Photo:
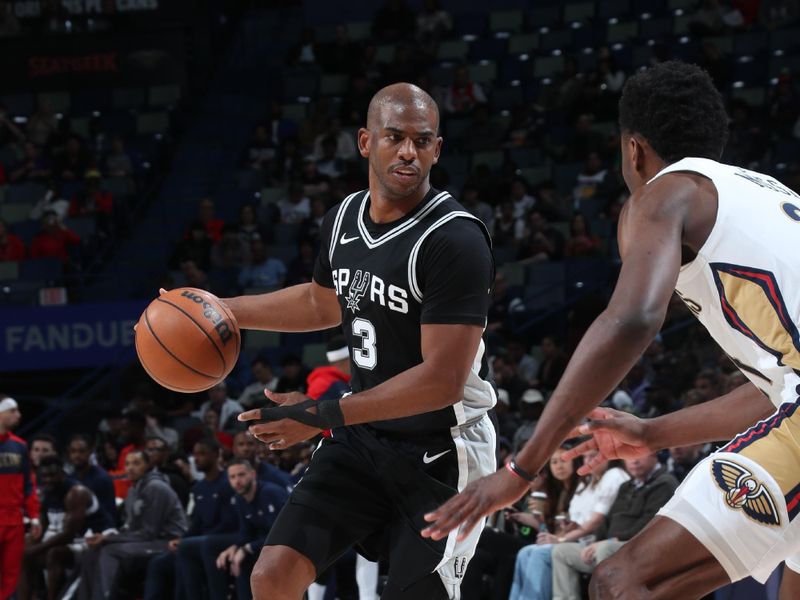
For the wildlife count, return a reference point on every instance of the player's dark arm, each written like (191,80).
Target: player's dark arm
(75,504)
(715,420)
(304,307)
(616,434)
(651,227)
(437,382)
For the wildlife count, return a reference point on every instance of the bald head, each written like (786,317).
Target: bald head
(401,97)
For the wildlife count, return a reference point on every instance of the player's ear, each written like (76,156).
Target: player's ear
(437,150)
(363,142)
(636,153)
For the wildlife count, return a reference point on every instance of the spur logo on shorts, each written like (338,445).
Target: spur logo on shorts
(743,491)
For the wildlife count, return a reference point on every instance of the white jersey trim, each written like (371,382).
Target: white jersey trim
(412,258)
(337,224)
(394,232)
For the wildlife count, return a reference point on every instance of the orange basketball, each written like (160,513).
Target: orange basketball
(187,340)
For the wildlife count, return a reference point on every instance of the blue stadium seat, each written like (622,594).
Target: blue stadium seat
(85,227)
(286,233)
(41,269)
(544,16)
(19,104)
(470,24)
(27,192)
(20,293)
(542,297)
(545,273)
(26,230)
(285,252)
(488,48)
(9,271)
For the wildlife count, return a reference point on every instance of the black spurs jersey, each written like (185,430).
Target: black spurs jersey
(434,265)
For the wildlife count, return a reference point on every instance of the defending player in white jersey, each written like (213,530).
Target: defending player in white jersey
(727,240)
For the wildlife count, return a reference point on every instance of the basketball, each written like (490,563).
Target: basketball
(187,340)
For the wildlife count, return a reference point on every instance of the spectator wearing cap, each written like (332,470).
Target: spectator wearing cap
(253,394)
(12,248)
(506,377)
(228,408)
(531,406)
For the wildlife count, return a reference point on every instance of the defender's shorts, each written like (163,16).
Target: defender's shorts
(742,502)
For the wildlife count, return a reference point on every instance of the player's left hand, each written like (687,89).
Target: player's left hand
(281,434)
(479,498)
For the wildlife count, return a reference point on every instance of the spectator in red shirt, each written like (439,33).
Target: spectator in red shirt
(11,246)
(54,240)
(212,223)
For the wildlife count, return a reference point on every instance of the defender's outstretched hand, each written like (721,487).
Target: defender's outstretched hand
(479,498)
(615,434)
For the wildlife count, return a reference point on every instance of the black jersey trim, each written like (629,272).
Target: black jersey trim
(394,232)
(337,224)
(412,258)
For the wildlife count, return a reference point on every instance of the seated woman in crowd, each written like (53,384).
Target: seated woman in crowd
(509,531)
(588,507)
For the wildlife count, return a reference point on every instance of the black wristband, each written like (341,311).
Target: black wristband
(326,414)
(513,466)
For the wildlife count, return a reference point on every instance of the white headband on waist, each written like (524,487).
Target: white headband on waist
(8,404)
(337,355)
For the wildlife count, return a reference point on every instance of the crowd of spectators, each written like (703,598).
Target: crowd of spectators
(199,480)
(63,179)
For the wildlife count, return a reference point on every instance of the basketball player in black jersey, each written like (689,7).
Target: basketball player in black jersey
(406,272)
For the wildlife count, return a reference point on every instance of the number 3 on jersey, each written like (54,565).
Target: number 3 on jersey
(366,356)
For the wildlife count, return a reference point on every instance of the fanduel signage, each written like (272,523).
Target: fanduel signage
(62,337)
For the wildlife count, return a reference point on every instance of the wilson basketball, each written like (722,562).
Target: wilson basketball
(187,340)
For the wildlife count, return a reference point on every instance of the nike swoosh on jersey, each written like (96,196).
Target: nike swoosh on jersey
(346,240)
(429,459)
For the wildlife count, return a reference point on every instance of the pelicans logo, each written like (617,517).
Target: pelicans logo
(742,491)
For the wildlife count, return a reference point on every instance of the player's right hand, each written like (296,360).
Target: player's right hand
(614,435)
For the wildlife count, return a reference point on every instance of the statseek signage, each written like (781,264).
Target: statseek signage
(65,337)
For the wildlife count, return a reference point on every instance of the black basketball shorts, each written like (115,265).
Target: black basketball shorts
(371,488)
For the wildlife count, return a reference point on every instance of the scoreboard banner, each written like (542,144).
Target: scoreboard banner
(68,337)
(93,61)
